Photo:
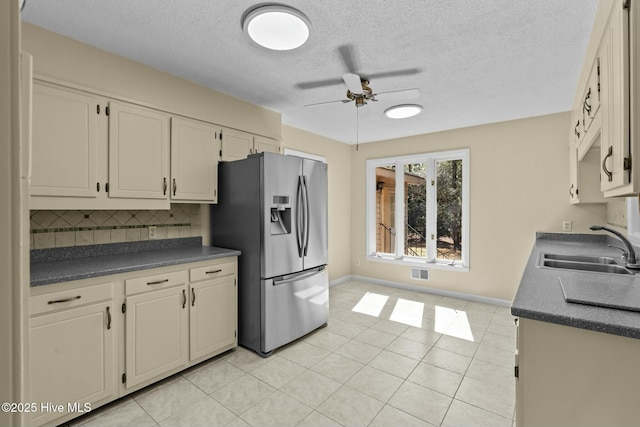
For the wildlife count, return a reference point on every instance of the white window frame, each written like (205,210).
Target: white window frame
(399,162)
(633,221)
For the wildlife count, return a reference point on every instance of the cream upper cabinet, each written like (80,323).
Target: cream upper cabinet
(584,175)
(138,152)
(238,145)
(235,144)
(212,316)
(64,143)
(615,143)
(72,350)
(262,144)
(195,153)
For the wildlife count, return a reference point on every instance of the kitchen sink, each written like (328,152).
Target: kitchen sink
(580,258)
(593,264)
(587,266)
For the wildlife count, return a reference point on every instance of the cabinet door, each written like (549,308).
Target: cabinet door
(71,358)
(156,333)
(63,143)
(573,171)
(615,142)
(262,144)
(213,316)
(195,152)
(236,144)
(138,152)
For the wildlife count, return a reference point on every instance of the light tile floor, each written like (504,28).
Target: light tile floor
(388,357)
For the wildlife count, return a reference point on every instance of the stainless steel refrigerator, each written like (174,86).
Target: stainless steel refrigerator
(273,208)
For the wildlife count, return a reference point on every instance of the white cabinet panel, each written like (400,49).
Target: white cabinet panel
(236,144)
(156,333)
(138,152)
(72,358)
(262,144)
(195,153)
(212,316)
(64,143)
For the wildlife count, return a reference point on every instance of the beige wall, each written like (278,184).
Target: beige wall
(519,183)
(338,157)
(62,58)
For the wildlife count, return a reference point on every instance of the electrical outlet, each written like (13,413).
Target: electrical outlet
(357,261)
(152,232)
(566,225)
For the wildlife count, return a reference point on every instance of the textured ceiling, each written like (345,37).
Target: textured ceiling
(475,61)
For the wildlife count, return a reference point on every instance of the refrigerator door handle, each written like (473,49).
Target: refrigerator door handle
(299,218)
(306,215)
(297,276)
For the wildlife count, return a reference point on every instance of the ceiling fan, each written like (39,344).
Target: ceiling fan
(359,91)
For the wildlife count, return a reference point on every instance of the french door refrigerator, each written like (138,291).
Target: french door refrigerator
(273,208)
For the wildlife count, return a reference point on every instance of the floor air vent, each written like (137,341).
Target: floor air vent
(420,273)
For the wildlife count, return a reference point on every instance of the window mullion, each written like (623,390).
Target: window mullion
(432,252)
(399,214)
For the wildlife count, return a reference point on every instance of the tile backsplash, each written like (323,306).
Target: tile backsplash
(50,229)
(617,213)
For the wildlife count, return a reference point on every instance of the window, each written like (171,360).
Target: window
(418,209)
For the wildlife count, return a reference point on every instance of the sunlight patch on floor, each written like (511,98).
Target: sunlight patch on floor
(455,323)
(371,304)
(408,312)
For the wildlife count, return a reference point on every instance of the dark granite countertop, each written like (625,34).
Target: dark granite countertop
(67,264)
(540,296)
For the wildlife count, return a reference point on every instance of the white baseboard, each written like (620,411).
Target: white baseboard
(440,292)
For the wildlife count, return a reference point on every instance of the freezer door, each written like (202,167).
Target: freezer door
(293,306)
(315,244)
(281,215)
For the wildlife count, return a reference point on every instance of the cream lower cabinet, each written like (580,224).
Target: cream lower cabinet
(156,326)
(72,348)
(213,310)
(93,341)
(575,377)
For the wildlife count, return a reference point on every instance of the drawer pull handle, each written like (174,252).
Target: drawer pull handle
(108,317)
(193,297)
(184,298)
(214,271)
(604,164)
(157,282)
(65,300)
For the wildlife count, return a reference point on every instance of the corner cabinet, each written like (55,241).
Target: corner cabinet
(238,145)
(195,153)
(575,377)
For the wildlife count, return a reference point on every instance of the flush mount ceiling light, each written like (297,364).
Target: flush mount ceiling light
(276,27)
(403,111)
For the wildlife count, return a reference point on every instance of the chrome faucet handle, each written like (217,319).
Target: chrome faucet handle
(624,253)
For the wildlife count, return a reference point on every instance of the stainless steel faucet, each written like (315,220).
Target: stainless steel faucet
(631,261)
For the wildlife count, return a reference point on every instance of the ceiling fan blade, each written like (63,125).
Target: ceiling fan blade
(397,94)
(353,83)
(348,55)
(394,73)
(319,83)
(341,101)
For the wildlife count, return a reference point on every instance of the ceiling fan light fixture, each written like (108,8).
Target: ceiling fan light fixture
(276,27)
(403,111)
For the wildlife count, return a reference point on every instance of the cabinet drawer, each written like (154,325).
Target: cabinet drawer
(158,281)
(70,298)
(212,271)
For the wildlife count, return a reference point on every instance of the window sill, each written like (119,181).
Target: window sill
(420,264)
